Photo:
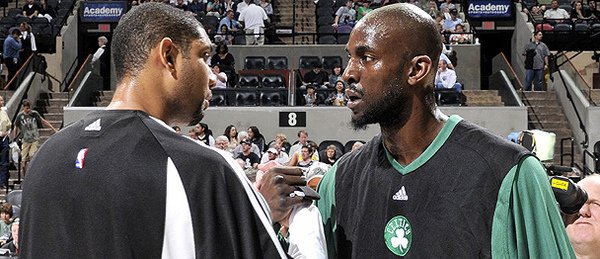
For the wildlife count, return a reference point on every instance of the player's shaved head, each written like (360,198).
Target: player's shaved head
(414,32)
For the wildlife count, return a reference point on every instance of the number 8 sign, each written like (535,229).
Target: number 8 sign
(292,119)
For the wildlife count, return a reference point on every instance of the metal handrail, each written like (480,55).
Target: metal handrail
(19,72)
(81,68)
(586,169)
(512,71)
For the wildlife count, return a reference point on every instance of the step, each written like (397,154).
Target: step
(54,116)
(480,92)
(54,109)
(55,95)
(56,123)
(102,103)
(58,102)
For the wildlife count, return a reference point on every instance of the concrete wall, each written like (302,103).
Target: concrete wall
(522,35)
(468,68)
(66,52)
(325,123)
(589,114)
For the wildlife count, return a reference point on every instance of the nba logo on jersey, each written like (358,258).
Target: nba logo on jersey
(81,158)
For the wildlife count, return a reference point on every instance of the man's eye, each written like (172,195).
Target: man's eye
(367,58)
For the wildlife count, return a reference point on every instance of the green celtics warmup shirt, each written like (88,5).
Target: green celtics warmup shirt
(470,194)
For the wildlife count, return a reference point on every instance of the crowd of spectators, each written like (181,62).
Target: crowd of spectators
(251,150)
(567,12)
(445,12)
(225,19)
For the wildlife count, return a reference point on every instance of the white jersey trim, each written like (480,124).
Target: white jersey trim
(178,241)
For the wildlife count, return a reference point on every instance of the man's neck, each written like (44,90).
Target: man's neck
(409,141)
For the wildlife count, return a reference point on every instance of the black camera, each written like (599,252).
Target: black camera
(569,195)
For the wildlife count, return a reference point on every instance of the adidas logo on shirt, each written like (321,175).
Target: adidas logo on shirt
(400,195)
(94,126)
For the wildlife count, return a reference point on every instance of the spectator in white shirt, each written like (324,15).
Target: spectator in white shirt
(254,18)
(221,76)
(555,12)
(446,78)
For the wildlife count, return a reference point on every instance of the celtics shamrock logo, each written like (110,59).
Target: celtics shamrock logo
(398,235)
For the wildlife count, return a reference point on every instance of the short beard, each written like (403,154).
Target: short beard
(390,110)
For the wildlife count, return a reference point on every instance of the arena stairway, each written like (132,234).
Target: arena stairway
(546,113)
(305,19)
(50,105)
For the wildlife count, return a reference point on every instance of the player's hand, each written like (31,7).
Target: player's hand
(277,185)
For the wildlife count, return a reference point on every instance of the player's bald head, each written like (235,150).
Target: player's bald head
(407,26)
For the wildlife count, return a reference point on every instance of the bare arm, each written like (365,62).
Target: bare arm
(47,124)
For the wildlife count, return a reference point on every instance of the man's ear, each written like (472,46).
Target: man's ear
(420,66)
(168,54)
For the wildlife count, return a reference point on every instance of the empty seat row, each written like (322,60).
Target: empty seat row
(249,97)
(268,81)
(281,62)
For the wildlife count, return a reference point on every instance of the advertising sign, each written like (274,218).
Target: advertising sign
(102,11)
(488,9)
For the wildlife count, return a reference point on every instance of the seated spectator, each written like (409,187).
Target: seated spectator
(311,98)
(215,8)
(447,6)
(431,8)
(181,5)
(298,155)
(46,11)
(229,5)
(302,141)
(229,20)
(306,153)
(243,136)
(578,14)
(345,15)
(331,155)
(196,7)
(224,59)
(265,4)
(204,134)
(556,13)
(446,78)
(593,11)
(231,134)
(192,135)
(255,137)
(459,37)
(31,9)
(363,9)
(221,77)
(222,143)
(281,143)
(537,13)
(339,98)
(316,76)
(444,56)
(13,246)
(274,154)
(247,158)
(335,76)
(6,213)
(584,229)
(450,24)
(224,36)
